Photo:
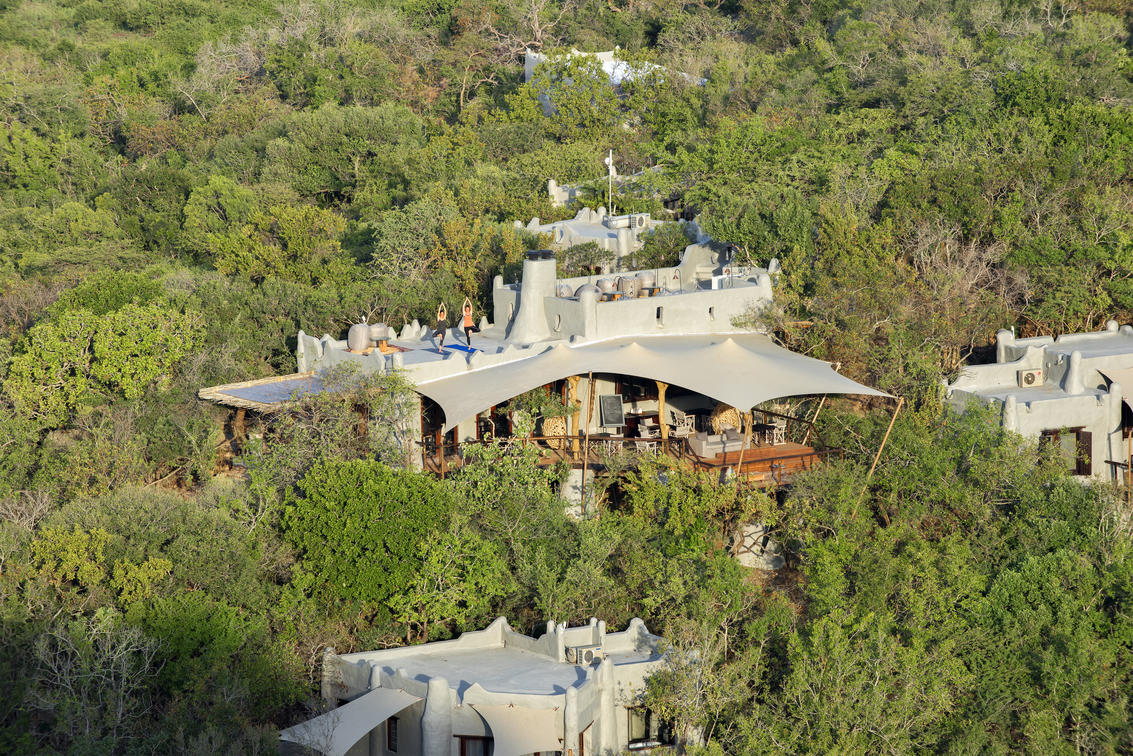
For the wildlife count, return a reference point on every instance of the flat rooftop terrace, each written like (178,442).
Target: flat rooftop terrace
(1112,342)
(1046,392)
(500,670)
(265,393)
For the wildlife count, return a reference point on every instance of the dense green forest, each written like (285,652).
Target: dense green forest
(186,184)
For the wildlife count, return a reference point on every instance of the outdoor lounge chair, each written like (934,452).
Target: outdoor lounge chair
(706,445)
(733,439)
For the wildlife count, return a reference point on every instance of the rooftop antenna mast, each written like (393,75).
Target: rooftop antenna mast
(609,161)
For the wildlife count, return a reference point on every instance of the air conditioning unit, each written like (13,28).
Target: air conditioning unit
(1030,378)
(584,655)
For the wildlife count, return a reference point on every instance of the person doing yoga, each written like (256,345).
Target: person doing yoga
(470,327)
(442,326)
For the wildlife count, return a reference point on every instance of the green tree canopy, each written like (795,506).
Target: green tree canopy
(359,527)
(293,243)
(66,362)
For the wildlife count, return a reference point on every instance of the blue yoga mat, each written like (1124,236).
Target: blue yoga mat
(461,348)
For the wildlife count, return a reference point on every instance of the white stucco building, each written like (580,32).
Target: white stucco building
(1074,390)
(618,71)
(573,691)
(618,235)
(639,355)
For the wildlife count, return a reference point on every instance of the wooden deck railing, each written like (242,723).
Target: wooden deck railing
(770,467)
(780,467)
(796,429)
(562,447)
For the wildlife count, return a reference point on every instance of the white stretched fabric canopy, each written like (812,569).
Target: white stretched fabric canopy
(741,370)
(336,732)
(519,730)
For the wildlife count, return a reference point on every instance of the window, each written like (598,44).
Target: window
(1074,445)
(635,390)
(660,316)
(391,734)
(474,745)
(646,730)
(711,313)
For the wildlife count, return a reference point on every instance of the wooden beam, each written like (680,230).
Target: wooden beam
(441,450)
(238,425)
(885,438)
(877,457)
(661,389)
(809,428)
(745,434)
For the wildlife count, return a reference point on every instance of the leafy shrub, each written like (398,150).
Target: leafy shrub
(358,527)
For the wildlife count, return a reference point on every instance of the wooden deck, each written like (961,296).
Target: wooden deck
(769,464)
(764,465)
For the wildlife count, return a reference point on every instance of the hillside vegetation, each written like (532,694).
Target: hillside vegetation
(186,184)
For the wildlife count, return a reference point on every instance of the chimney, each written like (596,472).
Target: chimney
(1003,340)
(1072,382)
(539,277)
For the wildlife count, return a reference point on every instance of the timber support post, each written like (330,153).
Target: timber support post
(441,451)
(661,389)
(572,383)
(877,457)
(586,446)
(238,425)
(814,417)
(745,436)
